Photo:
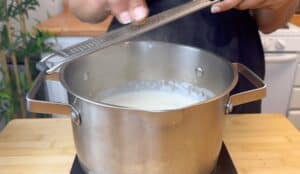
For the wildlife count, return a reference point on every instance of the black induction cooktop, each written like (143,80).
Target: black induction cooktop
(224,165)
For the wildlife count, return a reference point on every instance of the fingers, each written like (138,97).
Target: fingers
(240,4)
(251,4)
(225,5)
(119,8)
(128,11)
(138,9)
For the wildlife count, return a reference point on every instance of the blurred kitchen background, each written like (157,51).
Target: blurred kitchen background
(60,29)
(46,9)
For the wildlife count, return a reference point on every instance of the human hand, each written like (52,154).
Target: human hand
(249,4)
(269,14)
(125,11)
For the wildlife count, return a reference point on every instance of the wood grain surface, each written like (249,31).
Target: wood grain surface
(258,144)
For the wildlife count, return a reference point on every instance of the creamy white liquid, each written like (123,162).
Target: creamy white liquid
(150,100)
(155,95)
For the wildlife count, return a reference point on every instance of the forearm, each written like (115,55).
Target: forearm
(268,20)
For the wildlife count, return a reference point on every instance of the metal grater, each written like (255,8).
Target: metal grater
(127,32)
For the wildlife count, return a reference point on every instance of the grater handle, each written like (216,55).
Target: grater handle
(127,32)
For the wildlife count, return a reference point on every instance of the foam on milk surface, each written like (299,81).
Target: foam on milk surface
(155,95)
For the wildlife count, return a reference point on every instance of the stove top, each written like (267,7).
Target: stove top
(224,165)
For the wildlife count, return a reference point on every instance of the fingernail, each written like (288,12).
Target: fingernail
(124,17)
(139,13)
(215,9)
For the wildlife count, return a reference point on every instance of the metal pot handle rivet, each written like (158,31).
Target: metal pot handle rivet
(246,96)
(228,108)
(46,107)
(75,117)
(199,71)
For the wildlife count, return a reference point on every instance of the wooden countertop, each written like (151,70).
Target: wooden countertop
(65,24)
(258,144)
(296,20)
(263,144)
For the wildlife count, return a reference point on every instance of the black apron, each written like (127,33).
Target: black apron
(232,35)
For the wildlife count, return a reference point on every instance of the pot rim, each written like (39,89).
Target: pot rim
(102,104)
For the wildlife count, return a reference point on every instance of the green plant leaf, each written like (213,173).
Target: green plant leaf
(30,45)
(15,9)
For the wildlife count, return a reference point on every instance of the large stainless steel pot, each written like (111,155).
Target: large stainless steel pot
(118,140)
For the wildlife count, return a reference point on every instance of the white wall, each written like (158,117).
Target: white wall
(47,8)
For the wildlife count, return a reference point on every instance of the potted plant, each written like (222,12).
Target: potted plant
(19,51)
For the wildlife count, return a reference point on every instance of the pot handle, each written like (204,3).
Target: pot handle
(247,96)
(46,107)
